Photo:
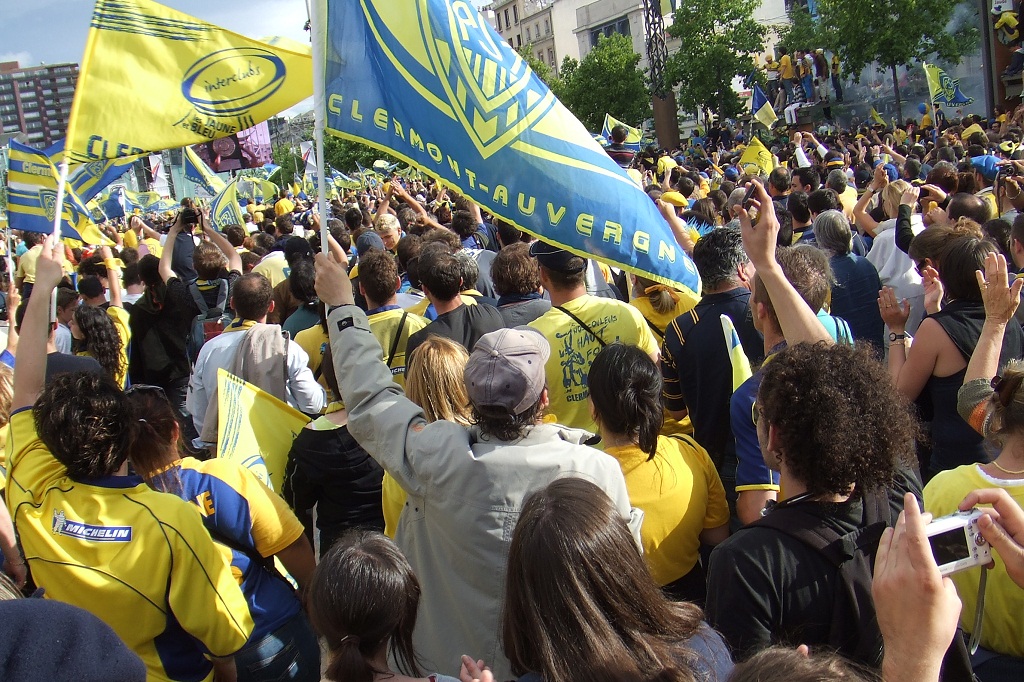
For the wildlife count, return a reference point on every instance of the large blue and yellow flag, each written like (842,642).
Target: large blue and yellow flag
(89,179)
(225,209)
(201,174)
(634,136)
(943,89)
(153,78)
(431,83)
(32,198)
(762,108)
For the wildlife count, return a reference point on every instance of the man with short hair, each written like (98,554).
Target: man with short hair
(393,327)
(780,185)
(25,274)
(578,326)
(244,349)
(617,149)
(441,280)
(694,359)
(284,204)
(805,180)
(466,485)
(517,282)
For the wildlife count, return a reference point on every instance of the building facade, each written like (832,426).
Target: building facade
(36,101)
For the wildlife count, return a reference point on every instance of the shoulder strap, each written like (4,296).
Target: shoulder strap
(222,294)
(398,337)
(197,296)
(654,328)
(582,324)
(686,439)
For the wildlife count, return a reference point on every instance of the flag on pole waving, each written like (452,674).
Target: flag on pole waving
(32,198)
(153,78)
(762,108)
(431,83)
(634,136)
(198,172)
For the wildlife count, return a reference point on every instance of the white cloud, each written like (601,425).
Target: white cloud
(23,57)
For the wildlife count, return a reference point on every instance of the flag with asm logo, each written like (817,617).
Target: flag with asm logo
(430,82)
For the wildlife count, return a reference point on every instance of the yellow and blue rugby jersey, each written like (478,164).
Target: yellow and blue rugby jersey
(138,559)
(238,507)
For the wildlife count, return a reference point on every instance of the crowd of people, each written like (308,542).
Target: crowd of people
(525,464)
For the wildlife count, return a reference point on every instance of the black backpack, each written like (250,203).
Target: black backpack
(210,322)
(853,630)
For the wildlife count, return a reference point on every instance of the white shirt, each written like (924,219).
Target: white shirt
(302,390)
(63,339)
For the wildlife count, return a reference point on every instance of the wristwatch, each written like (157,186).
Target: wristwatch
(894,337)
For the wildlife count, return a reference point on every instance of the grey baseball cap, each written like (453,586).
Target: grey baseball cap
(506,369)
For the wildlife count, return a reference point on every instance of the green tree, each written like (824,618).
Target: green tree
(539,66)
(607,81)
(719,40)
(291,163)
(894,33)
(802,32)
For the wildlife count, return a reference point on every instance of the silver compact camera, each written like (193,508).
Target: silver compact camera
(957,543)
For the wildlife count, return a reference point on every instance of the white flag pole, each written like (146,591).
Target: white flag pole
(318,33)
(62,181)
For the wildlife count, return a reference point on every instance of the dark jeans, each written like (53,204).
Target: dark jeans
(176,391)
(692,587)
(992,667)
(291,652)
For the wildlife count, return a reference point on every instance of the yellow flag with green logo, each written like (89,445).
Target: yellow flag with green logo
(757,159)
(153,78)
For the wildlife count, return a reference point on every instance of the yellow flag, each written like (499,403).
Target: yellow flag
(153,78)
(756,158)
(970,130)
(737,358)
(254,428)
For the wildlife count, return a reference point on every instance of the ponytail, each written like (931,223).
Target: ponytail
(348,663)
(625,387)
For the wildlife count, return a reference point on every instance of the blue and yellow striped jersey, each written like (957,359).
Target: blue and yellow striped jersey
(138,559)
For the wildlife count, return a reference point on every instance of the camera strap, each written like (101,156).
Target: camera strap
(979,611)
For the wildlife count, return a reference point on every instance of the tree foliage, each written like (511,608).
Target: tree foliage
(719,40)
(539,66)
(344,154)
(291,163)
(607,81)
(894,32)
(802,32)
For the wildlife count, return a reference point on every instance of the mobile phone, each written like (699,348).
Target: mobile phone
(749,195)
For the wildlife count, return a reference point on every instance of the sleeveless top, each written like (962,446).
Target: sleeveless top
(954,442)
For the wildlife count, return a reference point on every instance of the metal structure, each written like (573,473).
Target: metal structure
(663,100)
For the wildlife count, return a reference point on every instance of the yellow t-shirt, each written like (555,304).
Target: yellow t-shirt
(274,269)
(926,120)
(314,341)
(283,206)
(661,321)
(420,308)
(785,67)
(573,350)
(138,559)
(1002,628)
(680,494)
(124,332)
(392,500)
(27,264)
(384,326)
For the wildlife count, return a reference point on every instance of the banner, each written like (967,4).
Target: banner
(89,179)
(308,157)
(876,117)
(225,209)
(943,89)
(199,173)
(153,78)
(32,198)
(432,84)
(118,201)
(757,159)
(737,358)
(762,108)
(254,428)
(633,135)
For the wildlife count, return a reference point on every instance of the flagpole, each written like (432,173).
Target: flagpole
(316,14)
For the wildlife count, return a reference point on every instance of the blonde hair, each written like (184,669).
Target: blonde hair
(434,380)
(386,222)
(891,195)
(6,394)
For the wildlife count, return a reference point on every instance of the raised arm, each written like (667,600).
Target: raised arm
(30,374)
(865,223)
(113,276)
(1001,303)
(166,271)
(222,243)
(677,225)
(799,323)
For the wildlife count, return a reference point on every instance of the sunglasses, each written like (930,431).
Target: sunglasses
(146,389)
(1006,388)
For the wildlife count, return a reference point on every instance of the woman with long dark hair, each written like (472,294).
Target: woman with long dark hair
(363,602)
(671,478)
(98,338)
(580,604)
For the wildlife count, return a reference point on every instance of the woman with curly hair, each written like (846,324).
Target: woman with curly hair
(104,334)
(829,422)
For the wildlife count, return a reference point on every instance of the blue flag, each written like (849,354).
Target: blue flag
(89,179)
(431,83)
(198,172)
(32,198)
(762,108)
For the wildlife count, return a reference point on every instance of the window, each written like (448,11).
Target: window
(620,26)
(519,40)
(507,22)
(547,27)
(497,21)
(540,55)
(551,56)
(527,34)
(536,29)
(515,13)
